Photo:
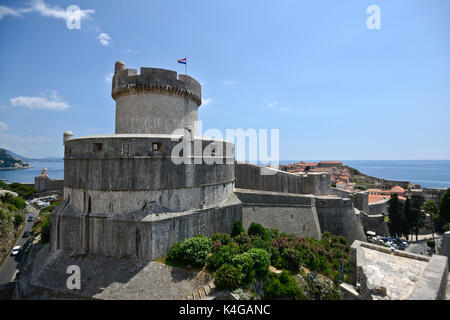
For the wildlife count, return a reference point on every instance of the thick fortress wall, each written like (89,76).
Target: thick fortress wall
(254,177)
(121,174)
(156,101)
(337,216)
(146,238)
(288,213)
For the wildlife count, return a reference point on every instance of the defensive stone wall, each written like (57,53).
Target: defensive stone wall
(144,236)
(123,173)
(251,176)
(337,216)
(379,207)
(360,198)
(44,184)
(286,212)
(445,246)
(375,223)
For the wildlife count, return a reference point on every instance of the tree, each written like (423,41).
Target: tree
(417,216)
(431,208)
(18,220)
(396,216)
(444,207)
(407,218)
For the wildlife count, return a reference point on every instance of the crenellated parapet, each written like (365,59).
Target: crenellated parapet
(154,80)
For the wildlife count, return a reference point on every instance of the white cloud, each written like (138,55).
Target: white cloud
(3,126)
(6,11)
(54,12)
(272,104)
(104,39)
(108,77)
(46,101)
(132,51)
(205,102)
(230,83)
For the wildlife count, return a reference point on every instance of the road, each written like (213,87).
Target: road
(420,247)
(9,267)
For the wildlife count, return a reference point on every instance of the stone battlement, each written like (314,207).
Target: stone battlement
(154,80)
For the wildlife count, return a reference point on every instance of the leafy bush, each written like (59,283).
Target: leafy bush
(176,253)
(282,286)
(18,220)
(228,277)
(223,238)
(256,229)
(191,251)
(244,262)
(19,202)
(291,259)
(222,255)
(196,249)
(262,261)
(237,228)
(12,207)
(45,229)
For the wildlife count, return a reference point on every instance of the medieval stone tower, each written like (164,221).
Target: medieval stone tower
(124,195)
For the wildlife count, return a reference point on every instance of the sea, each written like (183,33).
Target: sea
(428,173)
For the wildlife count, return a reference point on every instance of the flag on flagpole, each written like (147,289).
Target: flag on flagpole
(182,61)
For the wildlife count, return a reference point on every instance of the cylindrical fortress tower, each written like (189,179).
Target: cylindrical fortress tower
(124,195)
(124,172)
(156,101)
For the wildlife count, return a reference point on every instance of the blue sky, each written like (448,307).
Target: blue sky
(334,88)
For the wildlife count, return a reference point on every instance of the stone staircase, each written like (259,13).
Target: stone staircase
(202,293)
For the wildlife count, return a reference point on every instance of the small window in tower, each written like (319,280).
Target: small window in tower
(98,147)
(156,146)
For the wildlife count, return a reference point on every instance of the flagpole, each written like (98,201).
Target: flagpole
(185,67)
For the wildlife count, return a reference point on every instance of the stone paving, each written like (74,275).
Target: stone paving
(395,276)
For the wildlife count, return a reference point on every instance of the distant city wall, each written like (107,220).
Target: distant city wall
(360,198)
(45,185)
(379,207)
(250,176)
(375,223)
(288,213)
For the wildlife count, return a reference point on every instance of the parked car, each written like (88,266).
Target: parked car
(26,234)
(30,219)
(15,251)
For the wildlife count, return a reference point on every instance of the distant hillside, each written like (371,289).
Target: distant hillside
(7,161)
(20,157)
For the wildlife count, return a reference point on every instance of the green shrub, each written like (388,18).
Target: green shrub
(282,286)
(258,242)
(222,237)
(196,249)
(19,202)
(256,229)
(228,277)
(291,259)
(244,262)
(175,253)
(18,220)
(192,251)
(237,228)
(262,261)
(12,207)
(45,230)
(222,255)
